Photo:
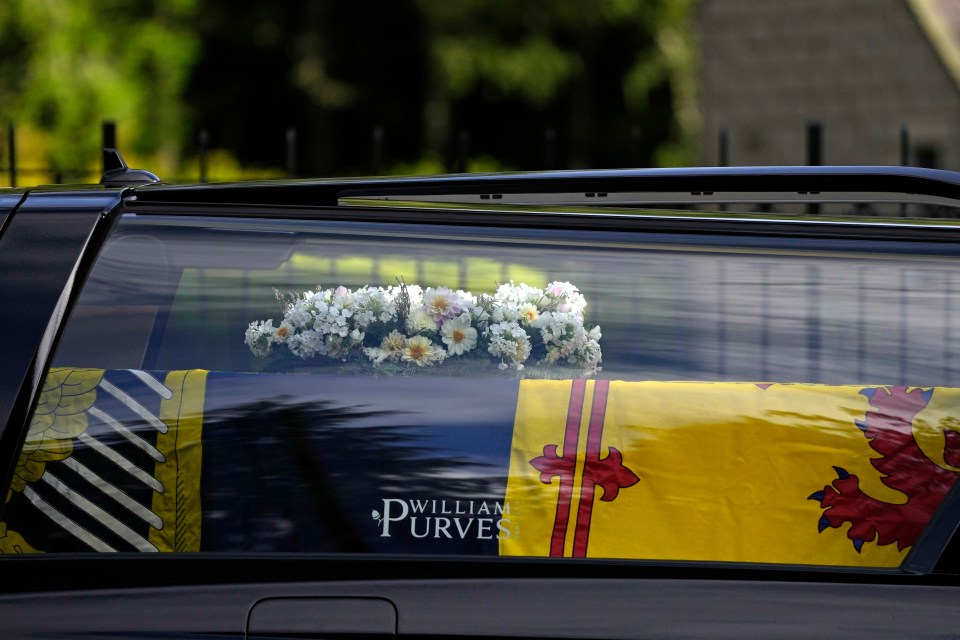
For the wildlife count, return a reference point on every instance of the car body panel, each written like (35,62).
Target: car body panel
(8,204)
(520,608)
(37,288)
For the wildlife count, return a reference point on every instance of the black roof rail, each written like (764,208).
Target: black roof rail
(610,187)
(647,187)
(117,174)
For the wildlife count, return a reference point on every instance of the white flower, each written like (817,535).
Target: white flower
(458,335)
(421,351)
(517,294)
(373,305)
(419,320)
(566,339)
(307,344)
(509,342)
(336,322)
(393,343)
(441,304)
(377,356)
(481,315)
(565,298)
(284,331)
(528,313)
(298,316)
(414,291)
(260,337)
(467,299)
(391,348)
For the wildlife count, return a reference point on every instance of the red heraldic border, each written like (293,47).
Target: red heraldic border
(607,473)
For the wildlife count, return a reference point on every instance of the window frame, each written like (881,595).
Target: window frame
(922,560)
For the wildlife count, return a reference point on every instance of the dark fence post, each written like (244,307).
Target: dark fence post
(904,158)
(814,144)
(291,152)
(814,155)
(12,150)
(723,159)
(549,148)
(904,146)
(204,146)
(723,156)
(377,150)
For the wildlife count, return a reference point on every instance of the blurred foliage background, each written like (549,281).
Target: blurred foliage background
(400,86)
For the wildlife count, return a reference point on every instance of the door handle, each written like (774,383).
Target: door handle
(309,617)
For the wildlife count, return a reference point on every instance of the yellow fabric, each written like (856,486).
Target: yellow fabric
(725,471)
(59,418)
(179,505)
(13,543)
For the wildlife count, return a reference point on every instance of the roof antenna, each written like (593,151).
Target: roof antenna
(117,174)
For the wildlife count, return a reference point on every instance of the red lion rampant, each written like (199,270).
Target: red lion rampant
(905,468)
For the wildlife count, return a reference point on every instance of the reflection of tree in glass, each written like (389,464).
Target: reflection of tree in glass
(280,475)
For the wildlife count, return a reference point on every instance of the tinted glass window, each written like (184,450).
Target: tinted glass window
(292,386)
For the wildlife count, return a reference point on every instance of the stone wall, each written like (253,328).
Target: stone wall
(861,68)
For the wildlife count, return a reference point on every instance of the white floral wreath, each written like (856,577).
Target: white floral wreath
(406,326)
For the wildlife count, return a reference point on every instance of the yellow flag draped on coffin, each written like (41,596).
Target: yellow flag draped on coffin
(162,417)
(707,471)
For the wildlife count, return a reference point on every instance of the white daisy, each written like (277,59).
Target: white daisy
(441,303)
(458,335)
(421,351)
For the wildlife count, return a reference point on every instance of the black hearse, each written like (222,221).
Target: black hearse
(690,403)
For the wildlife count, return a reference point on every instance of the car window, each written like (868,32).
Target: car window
(257,385)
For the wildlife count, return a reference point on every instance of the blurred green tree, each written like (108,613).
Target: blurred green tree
(478,83)
(334,70)
(606,83)
(522,85)
(67,65)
